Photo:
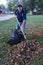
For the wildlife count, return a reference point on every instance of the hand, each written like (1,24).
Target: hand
(21,27)
(15,16)
(23,23)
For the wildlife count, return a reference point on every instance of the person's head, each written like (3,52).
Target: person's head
(19,7)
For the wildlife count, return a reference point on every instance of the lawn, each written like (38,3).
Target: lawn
(32,21)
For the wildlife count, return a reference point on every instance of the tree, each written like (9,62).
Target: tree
(29,5)
(12,4)
(32,5)
(26,5)
(40,4)
(2,6)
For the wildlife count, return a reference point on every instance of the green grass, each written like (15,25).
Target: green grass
(35,20)
(6,26)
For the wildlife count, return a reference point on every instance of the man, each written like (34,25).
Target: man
(21,18)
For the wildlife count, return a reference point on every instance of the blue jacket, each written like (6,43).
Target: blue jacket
(20,15)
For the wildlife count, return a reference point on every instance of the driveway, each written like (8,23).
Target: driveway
(6,17)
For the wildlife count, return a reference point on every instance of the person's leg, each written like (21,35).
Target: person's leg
(24,26)
(17,26)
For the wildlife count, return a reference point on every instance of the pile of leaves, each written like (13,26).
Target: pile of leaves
(37,31)
(22,53)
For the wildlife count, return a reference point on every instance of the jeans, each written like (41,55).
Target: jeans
(24,26)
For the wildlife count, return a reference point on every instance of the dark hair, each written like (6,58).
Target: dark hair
(19,5)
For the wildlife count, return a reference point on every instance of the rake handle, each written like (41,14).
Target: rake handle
(22,31)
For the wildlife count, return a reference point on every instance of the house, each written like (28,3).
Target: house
(38,11)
